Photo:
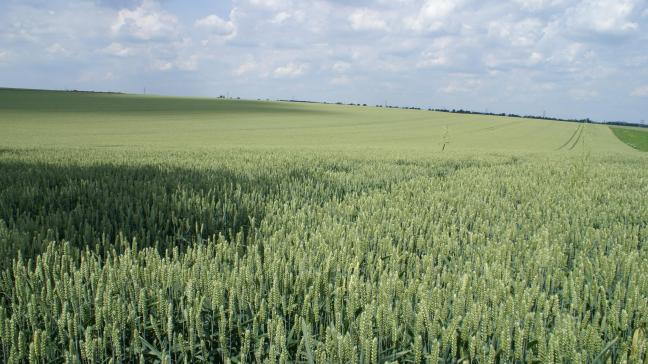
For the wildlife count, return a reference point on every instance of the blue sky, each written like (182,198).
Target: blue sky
(567,58)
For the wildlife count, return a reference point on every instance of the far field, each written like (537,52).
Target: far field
(171,230)
(59,119)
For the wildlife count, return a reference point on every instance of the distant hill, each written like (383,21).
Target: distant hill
(73,119)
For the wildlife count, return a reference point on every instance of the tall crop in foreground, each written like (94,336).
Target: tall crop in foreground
(317,257)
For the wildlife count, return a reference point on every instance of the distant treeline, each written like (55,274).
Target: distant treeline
(623,123)
(462,111)
(587,120)
(66,90)
(96,92)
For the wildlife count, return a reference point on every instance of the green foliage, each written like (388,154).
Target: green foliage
(634,137)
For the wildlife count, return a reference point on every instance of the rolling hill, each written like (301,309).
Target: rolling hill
(57,119)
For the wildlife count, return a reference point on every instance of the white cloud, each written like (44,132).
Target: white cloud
(522,33)
(4,55)
(536,57)
(270,4)
(433,15)
(246,67)
(117,50)
(432,59)
(161,65)
(641,91)
(583,94)
(57,49)
(341,67)
(217,25)
(341,80)
(291,70)
(538,5)
(603,16)
(572,55)
(146,22)
(181,63)
(437,54)
(462,85)
(189,63)
(283,17)
(366,19)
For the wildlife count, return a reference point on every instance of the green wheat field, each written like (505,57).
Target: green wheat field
(173,230)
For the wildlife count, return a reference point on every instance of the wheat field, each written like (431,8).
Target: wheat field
(151,229)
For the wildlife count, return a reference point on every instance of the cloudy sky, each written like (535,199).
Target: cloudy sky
(567,58)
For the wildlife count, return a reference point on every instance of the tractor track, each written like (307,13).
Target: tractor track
(574,134)
(578,138)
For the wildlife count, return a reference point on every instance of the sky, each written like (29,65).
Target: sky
(563,58)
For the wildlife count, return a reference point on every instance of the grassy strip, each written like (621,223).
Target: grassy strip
(635,138)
